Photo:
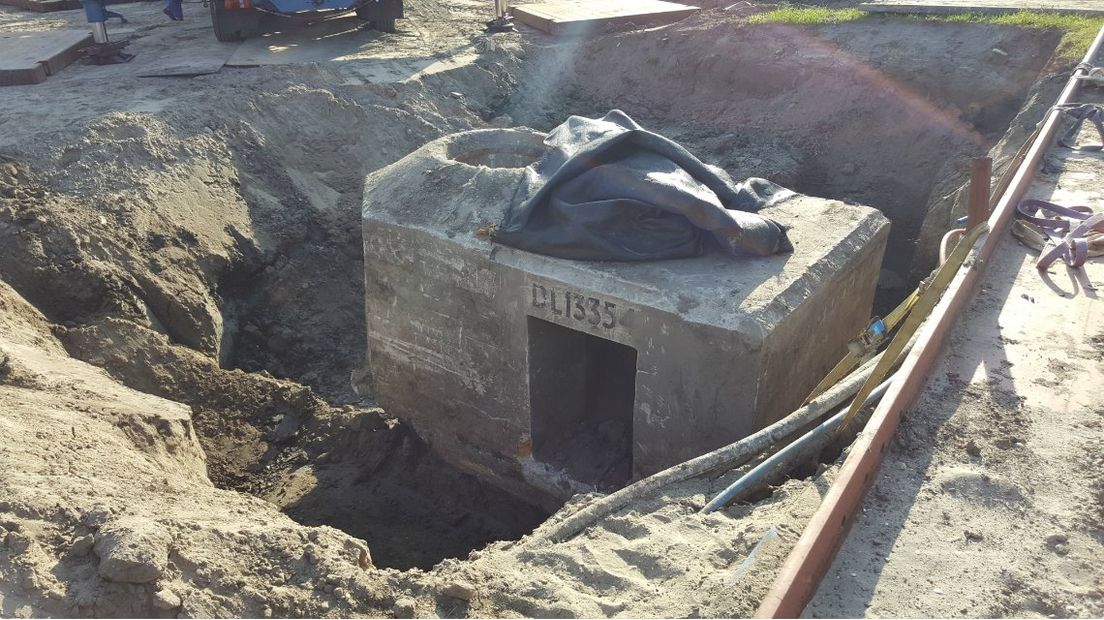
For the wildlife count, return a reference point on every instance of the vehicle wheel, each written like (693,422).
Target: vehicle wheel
(234,24)
(382,13)
(386,24)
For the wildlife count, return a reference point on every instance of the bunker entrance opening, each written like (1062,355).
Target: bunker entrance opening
(582,389)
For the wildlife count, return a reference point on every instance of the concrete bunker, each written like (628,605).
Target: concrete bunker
(560,376)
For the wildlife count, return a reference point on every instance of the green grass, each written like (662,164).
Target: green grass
(807,16)
(1079,30)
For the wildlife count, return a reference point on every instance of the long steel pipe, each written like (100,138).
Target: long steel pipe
(812,556)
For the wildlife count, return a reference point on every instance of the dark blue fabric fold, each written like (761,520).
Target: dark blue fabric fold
(608,189)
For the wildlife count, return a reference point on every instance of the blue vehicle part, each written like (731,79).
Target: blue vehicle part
(235,20)
(295,7)
(174,9)
(94,11)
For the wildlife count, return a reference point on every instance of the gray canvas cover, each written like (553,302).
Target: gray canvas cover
(607,189)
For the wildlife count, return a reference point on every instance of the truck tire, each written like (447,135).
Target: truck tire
(382,13)
(232,25)
(384,24)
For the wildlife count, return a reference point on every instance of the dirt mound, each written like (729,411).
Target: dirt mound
(108,510)
(348,467)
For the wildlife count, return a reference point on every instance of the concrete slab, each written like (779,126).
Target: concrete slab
(582,16)
(943,7)
(29,57)
(486,349)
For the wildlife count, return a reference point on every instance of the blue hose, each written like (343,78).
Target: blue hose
(780,458)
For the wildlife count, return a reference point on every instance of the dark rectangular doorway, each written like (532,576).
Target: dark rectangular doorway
(581,394)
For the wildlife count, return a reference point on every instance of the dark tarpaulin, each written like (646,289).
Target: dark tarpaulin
(607,189)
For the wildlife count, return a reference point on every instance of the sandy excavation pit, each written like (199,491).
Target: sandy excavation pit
(214,260)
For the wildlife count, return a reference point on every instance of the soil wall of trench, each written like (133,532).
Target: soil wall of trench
(214,260)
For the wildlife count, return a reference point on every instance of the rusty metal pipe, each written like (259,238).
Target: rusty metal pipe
(814,552)
(981,176)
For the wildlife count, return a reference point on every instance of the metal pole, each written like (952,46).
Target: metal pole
(981,176)
(99,32)
(502,21)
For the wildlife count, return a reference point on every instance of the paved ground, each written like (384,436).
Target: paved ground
(1092,7)
(1021,371)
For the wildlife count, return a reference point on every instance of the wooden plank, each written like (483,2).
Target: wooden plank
(582,16)
(34,74)
(947,7)
(29,57)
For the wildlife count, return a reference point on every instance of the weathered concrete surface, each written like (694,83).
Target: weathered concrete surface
(582,16)
(724,346)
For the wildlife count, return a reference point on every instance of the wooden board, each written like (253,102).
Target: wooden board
(28,57)
(945,7)
(583,16)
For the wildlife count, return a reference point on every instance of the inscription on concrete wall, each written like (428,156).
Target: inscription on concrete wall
(567,304)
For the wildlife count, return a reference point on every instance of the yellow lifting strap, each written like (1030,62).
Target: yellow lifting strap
(865,345)
(929,296)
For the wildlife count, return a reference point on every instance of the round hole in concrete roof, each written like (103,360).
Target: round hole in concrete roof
(497,148)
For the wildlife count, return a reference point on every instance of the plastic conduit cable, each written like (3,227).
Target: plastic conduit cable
(820,436)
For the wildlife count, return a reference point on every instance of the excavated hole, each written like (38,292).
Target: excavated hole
(879,128)
(879,116)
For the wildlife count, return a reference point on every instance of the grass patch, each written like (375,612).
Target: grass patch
(807,16)
(1079,30)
